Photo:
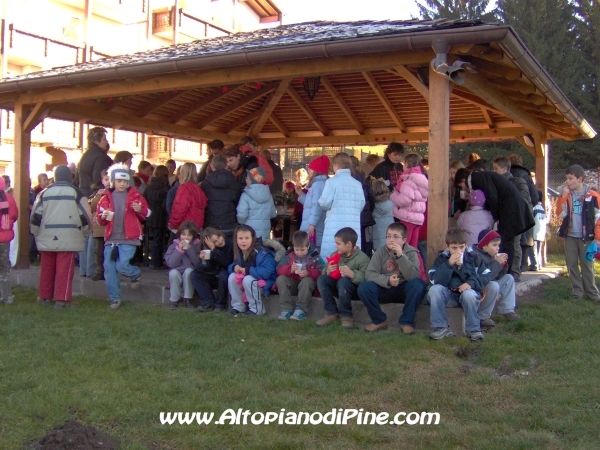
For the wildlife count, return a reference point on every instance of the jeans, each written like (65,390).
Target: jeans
(343,288)
(505,287)
(87,258)
(409,292)
(176,280)
(205,283)
(529,258)
(440,297)
(122,266)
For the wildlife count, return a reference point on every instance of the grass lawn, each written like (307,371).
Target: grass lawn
(528,385)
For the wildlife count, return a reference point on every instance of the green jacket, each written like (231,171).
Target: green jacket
(384,264)
(357,262)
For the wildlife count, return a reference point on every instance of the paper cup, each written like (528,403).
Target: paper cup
(463,195)
(462,258)
(206,254)
(110,215)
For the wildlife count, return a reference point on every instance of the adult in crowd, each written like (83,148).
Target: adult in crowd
(390,168)
(240,161)
(369,164)
(277,185)
(215,147)
(190,200)
(93,161)
(143,175)
(456,204)
(171,166)
(517,170)
(504,201)
(222,193)
(156,225)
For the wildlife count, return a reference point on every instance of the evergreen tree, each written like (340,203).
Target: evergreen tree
(456,9)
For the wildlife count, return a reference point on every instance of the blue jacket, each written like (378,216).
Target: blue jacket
(343,199)
(383,219)
(263,268)
(313,214)
(473,271)
(256,208)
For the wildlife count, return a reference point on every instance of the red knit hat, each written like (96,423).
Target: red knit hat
(320,164)
(486,236)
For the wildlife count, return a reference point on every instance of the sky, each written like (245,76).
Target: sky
(295,11)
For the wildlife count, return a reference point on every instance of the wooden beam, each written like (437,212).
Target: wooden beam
(269,107)
(111,119)
(514,85)
(243,121)
(439,164)
(384,101)
(482,65)
(279,125)
(216,77)
(483,134)
(487,117)
(308,111)
(160,101)
(36,115)
(337,98)
(22,148)
(252,96)
(413,81)
(204,102)
(492,95)
(473,100)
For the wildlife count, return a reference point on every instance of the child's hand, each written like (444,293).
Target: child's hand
(347,272)
(502,258)
(311,230)
(239,269)
(303,273)
(137,207)
(394,280)
(464,287)
(331,268)
(397,249)
(454,259)
(209,243)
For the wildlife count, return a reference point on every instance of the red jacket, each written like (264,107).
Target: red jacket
(189,204)
(13,215)
(133,225)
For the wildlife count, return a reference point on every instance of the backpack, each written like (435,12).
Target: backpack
(263,163)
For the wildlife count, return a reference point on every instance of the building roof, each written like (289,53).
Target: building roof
(373,86)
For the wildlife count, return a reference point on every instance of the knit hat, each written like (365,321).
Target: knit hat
(118,172)
(289,185)
(486,236)
(477,198)
(320,164)
(63,173)
(256,175)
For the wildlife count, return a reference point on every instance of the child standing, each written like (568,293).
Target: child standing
(458,279)
(344,271)
(98,230)
(211,272)
(252,273)
(9,214)
(256,207)
(487,248)
(189,202)
(343,200)
(476,218)
(60,221)
(313,216)
(410,198)
(382,213)
(121,210)
(578,207)
(298,271)
(182,257)
(539,234)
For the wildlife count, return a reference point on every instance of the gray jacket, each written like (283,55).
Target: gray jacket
(256,208)
(384,264)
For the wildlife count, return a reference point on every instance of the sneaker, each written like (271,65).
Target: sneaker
(285,315)
(59,305)
(71,305)
(533,268)
(189,303)
(407,329)
(347,322)
(173,305)
(441,333)
(233,312)
(512,316)
(8,300)
(219,310)
(135,284)
(327,320)
(248,313)
(474,335)
(299,314)
(43,301)
(97,277)
(373,327)
(115,305)
(487,322)
(203,308)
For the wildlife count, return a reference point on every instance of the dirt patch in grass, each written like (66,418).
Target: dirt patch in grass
(75,435)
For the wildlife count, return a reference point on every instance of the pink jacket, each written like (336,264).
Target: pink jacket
(473,221)
(410,196)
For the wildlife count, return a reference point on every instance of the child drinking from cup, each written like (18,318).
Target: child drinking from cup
(182,257)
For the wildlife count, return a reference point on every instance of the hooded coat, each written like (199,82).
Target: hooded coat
(156,196)
(256,209)
(222,192)
(473,221)
(410,196)
(383,219)
(313,214)
(189,204)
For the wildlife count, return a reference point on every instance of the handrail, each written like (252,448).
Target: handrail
(204,21)
(76,47)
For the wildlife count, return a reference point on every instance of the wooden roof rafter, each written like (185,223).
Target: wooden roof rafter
(306,110)
(205,101)
(159,102)
(337,98)
(269,107)
(384,100)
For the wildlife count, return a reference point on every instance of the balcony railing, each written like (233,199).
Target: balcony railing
(35,48)
(163,22)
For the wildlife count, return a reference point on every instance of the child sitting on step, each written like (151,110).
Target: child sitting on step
(298,271)
(182,257)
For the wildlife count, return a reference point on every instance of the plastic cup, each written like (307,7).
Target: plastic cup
(206,254)
(462,258)
(110,215)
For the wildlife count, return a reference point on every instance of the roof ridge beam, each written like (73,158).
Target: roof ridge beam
(384,100)
(307,110)
(269,107)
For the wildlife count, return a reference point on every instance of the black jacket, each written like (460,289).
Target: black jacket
(204,170)
(277,185)
(220,259)
(388,171)
(222,191)
(90,168)
(522,172)
(366,215)
(156,196)
(505,202)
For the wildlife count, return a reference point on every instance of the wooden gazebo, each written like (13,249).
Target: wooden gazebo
(378,82)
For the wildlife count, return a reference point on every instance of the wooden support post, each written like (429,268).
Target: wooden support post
(22,145)
(439,156)
(541,177)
